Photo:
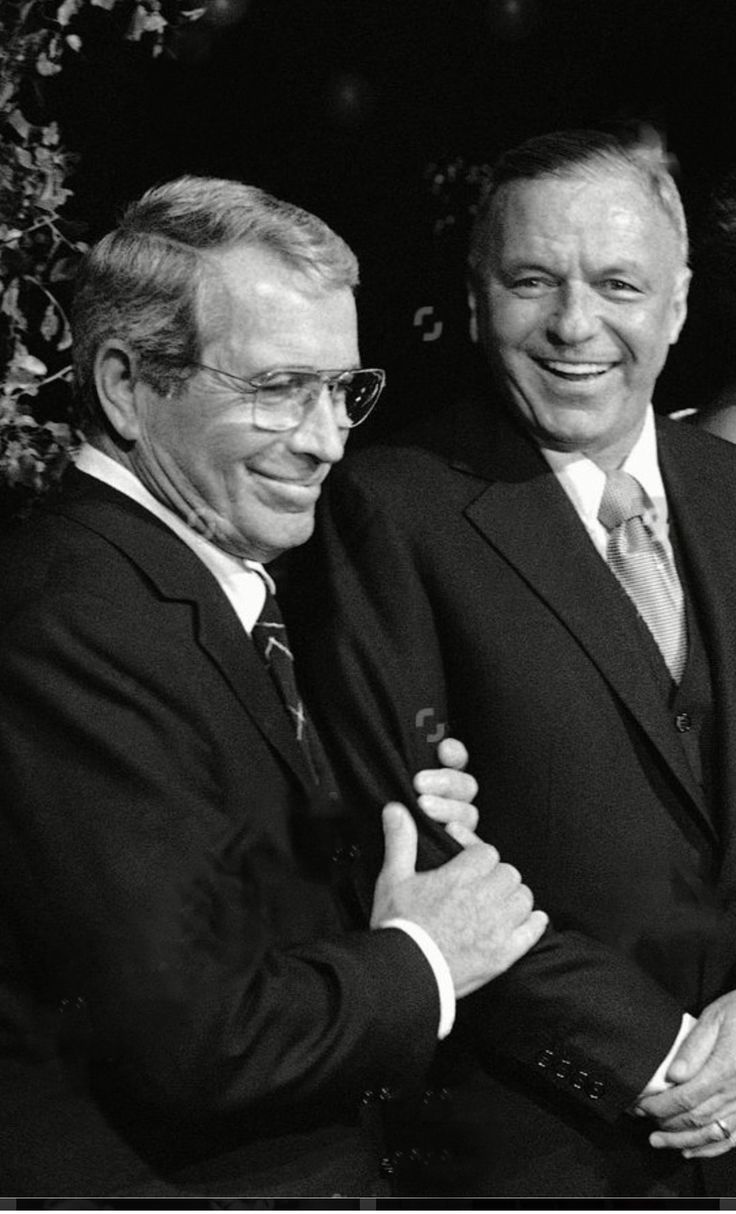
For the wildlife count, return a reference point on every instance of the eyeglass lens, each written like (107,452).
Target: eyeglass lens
(284,399)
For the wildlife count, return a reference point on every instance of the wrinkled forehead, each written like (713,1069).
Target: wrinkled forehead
(253,287)
(590,207)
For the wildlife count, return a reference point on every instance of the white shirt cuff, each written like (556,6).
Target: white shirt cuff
(440,969)
(658,1083)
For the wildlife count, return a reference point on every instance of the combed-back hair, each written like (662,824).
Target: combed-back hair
(574,153)
(146,282)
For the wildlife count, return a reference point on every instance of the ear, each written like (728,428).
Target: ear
(679,303)
(473,313)
(116,388)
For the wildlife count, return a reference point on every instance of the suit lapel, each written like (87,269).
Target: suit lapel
(700,477)
(179,576)
(527,517)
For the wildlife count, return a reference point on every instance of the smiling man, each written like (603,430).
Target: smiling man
(552,570)
(579,288)
(192,1001)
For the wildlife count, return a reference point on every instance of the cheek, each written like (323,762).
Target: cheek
(511,322)
(650,337)
(232,445)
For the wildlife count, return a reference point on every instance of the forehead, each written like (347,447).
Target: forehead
(257,298)
(598,216)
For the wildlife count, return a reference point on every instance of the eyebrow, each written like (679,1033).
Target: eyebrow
(612,270)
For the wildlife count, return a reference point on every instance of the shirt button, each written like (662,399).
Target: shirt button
(683,722)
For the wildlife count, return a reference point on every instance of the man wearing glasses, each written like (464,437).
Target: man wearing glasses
(183,1008)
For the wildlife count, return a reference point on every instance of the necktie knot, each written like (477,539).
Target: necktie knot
(623,499)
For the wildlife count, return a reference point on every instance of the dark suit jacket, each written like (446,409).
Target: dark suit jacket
(182,1010)
(458,590)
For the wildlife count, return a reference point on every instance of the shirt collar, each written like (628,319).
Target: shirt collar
(584,481)
(223,565)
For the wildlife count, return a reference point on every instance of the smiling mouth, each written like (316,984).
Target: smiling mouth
(575,372)
(293,488)
(290,480)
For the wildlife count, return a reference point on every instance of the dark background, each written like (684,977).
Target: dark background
(344,106)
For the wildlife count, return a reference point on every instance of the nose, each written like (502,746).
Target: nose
(575,316)
(318,434)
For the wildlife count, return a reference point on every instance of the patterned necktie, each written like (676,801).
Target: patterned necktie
(272,643)
(641,565)
(270,639)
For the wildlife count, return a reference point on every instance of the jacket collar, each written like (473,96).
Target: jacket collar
(517,504)
(179,576)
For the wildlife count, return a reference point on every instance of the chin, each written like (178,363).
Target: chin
(291,536)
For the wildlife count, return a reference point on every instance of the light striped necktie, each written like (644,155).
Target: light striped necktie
(643,568)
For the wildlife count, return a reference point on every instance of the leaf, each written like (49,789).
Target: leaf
(49,326)
(45,66)
(19,123)
(63,270)
(66,11)
(22,361)
(137,26)
(50,133)
(7,88)
(61,431)
(9,301)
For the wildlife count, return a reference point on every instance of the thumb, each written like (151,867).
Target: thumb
(693,1053)
(400,837)
(452,753)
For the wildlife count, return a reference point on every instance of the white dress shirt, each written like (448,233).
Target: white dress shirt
(584,483)
(244,582)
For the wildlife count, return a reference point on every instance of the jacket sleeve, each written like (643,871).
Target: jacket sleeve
(579,1016)
(156,917)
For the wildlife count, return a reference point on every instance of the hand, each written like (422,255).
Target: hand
(446,792)
(703,1072)
(474,907)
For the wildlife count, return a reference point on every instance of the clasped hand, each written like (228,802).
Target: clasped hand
(474,907)
(695,1114)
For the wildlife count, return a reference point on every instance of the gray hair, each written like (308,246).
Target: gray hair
(566,153)
(144,282)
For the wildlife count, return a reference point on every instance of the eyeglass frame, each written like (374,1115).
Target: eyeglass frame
(325,378)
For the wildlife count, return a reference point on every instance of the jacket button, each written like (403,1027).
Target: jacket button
(683,722)
(346,855)
(595,1089)
(368,1096)
(545,1059)
(562,1070)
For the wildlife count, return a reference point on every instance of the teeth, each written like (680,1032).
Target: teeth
(577,368)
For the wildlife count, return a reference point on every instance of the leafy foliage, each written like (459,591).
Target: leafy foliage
(39,249)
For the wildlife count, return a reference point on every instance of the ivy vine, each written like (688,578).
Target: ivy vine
(39,248)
